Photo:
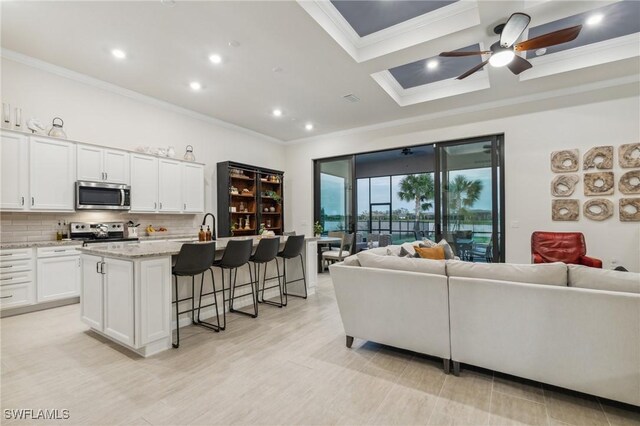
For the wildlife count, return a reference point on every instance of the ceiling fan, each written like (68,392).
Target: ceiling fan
(503,51)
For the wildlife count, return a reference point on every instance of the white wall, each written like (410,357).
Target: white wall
(94,115)
(529,140)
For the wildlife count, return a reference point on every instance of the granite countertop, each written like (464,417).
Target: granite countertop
(36,244)
(137,250)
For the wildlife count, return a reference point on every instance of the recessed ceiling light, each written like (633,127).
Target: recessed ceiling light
(277,69)
(195,85)
(234,43)
(215,58)
(308,126)
(120,54)
(277,112)
(595,19)
(432,64)
(541,51)
(169,3)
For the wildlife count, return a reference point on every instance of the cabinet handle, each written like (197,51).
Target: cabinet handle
(6,279)
(6,297)
(160,205)
(9,266)
(185,206)
(106,176)
(22,201)
(155,205)
(32,201)
(98,267)
(59,251)
(102,268)
(6,254)
(79,264)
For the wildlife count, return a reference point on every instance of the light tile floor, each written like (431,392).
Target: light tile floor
(289,366)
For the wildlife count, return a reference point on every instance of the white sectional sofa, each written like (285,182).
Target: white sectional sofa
(574,327)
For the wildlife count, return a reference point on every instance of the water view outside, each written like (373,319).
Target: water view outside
(399,205)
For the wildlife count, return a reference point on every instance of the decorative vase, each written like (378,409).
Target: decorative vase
(189,154)
(247,223)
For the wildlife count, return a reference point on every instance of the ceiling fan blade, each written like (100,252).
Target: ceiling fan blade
(472,70)
(549,39)
(514,28)
(458,53)
(518,64)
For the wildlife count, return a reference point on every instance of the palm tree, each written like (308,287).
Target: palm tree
(417,188)
(463,193)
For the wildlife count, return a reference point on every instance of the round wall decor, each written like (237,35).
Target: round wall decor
(564,185)
(598,209)
(599,157)
(564,161)
(630,182)
(599,183)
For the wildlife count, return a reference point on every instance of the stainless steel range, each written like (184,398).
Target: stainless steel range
(104,232)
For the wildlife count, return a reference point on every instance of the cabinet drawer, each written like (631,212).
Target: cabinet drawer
(9,278)
(15,254)
(15,295)
(58,251)
(11,266)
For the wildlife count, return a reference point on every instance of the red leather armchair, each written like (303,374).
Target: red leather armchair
(567,247)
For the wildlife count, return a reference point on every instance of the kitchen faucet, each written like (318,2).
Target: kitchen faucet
(213,226)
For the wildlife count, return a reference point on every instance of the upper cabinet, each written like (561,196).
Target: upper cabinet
(52,174)
(97,164)
(14,172)
(192,188)
(170,186)
(39,173)
(144,183)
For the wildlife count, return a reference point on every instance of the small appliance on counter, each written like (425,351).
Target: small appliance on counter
(131,230)
(106,232)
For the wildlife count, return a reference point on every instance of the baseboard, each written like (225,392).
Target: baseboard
(38,307)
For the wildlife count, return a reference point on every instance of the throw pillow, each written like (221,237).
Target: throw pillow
(405,253)
(448,251)
(427,243)
(426,266)
(603,279)
(435,253)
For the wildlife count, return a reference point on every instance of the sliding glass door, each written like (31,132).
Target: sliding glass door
(334,194)
(451,190)
(469,204)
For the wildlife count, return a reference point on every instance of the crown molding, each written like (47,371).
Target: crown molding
(599,85)
(110,87)
(606,51)
(429,26)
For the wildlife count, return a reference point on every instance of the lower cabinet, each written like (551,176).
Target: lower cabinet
(58,278)
(128,301)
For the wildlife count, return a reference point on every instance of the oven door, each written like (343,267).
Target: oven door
(102,196)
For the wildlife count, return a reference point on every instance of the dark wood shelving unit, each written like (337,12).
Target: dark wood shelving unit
(260,182)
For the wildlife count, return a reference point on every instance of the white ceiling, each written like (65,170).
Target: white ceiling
(168,47)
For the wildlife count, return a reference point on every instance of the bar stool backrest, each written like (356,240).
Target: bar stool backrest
(293,247)
(267,250)
(195,259)
(236,254)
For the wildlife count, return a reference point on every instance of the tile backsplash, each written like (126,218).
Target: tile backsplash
(32,226)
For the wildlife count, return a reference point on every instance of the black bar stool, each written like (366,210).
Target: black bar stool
(193,259)
(237,254)
(292,249)
(266,252)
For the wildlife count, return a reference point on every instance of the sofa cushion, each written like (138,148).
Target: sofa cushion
(543,273)
(603,279)
(436,253)
(426,266)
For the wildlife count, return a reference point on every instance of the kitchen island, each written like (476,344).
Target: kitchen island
(126,289)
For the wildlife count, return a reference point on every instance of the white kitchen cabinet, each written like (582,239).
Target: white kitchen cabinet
(118,300)
(97,164)
(192,188)
(14,173)
(116,166)
(58,277)
(52,174)
(17,281)
(169,186)
(154,301)
(144,183)
(91,292)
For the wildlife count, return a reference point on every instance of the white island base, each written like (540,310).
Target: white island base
(127,291)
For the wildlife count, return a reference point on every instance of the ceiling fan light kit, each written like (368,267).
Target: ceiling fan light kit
(502,52)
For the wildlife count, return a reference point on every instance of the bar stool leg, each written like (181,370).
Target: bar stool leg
(304,276)
(215,327)
(232,290)
(254,292)
(279,283)
(177,344)
(193,297)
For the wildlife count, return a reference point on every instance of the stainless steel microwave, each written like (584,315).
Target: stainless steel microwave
(102,196)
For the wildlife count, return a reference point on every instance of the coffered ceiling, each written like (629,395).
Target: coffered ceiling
(304,57)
